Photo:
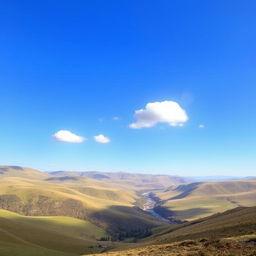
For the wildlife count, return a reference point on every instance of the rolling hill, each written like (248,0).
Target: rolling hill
(228,233)
(105,205)
(200,199)
(236,222)
(75,213)
(134,180)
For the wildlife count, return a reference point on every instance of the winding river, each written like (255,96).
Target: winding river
(150,205)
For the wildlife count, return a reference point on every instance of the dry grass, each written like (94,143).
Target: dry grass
(203,247)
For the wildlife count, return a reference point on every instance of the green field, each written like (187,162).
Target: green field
(45,235)
(64,225)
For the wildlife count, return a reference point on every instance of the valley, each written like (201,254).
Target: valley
(149,206)
(97,212)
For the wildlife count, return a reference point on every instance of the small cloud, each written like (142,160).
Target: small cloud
(160,112)
(116,118)
(101,138)
(68,136)
(201,126)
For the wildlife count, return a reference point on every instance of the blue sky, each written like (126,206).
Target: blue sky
(75,65)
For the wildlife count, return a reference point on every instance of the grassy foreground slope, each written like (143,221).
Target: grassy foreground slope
(51,236)
(230,233)
(190,248)
(197,200)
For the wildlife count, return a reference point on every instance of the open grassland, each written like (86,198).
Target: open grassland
(197,200)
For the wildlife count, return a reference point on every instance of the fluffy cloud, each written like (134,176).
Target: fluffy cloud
(160,112)
(201,125)
(101,138)
(67,136)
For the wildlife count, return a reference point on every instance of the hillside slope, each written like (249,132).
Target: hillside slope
(110,209)
(53,236)
(221,234)
(196,200)
(235,222)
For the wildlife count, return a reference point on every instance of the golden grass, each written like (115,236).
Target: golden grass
(190,202)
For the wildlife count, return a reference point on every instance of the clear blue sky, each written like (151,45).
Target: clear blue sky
(74,65)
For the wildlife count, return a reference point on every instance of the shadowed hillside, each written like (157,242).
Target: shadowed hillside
(229,233)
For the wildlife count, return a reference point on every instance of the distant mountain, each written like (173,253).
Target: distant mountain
(220,178)
(24,172)
(134,179)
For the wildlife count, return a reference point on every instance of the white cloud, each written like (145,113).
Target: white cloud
(116,118)
(67,136)
(101,138)
(160,112)
(201,126)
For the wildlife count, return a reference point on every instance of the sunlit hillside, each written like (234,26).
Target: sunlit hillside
(196,200)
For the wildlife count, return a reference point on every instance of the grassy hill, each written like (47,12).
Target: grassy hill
(109,208)
(197,200)
(228,233)
(67,213)
(235,222)
(22,235)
